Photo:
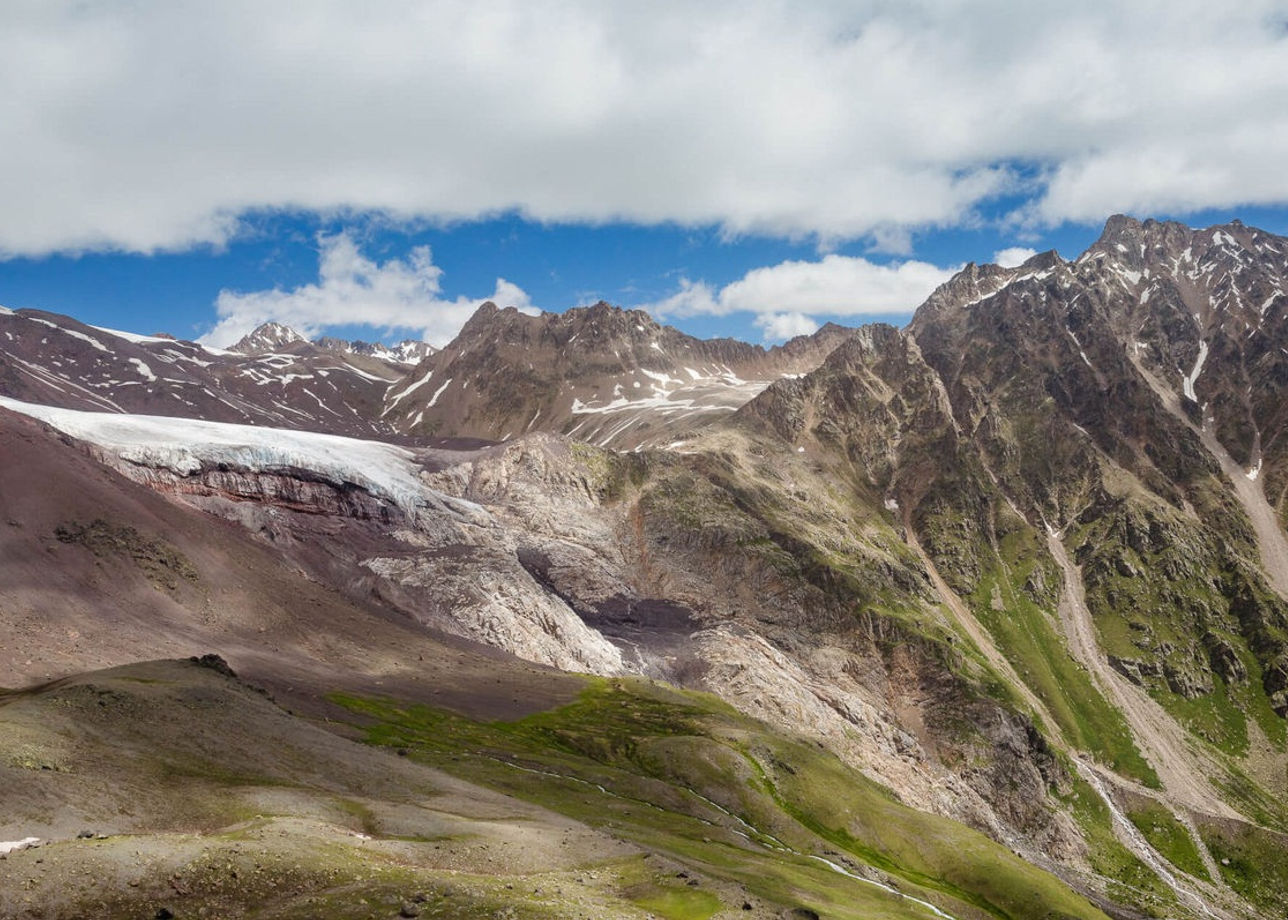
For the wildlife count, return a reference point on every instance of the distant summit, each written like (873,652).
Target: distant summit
(268,338)
(408,351)
(276,338)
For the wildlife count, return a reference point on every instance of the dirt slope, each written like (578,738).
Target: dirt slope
(157,579)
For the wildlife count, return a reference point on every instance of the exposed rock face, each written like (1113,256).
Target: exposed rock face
(1080,399)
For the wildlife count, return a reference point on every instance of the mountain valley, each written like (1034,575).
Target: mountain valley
(582,616)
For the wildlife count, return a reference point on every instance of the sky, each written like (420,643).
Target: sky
(750,169)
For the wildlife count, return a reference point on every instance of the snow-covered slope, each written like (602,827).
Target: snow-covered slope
(187,446)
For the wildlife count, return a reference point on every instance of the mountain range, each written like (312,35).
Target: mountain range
(579,615)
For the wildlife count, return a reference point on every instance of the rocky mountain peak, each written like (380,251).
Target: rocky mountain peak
(490,322)
(605,315)
(1138,244)
(1041,262)
(975,282)
(267,337)
(598,328)
(1120,228)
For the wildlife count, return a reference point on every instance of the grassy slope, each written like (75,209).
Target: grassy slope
(660,755)
(1028,635)
(1161,589)
(1253,861)
(1167,835)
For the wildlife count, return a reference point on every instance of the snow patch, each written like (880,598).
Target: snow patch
(72,332)
(361,373)
(134,336)
(663,379)
(143,369)
(1188,382)
(1082,354)
(10,846)
(415,386)
(433,400)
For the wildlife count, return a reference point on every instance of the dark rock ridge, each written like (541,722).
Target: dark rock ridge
(604,373)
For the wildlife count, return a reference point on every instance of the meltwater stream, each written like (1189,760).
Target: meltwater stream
(1136,842)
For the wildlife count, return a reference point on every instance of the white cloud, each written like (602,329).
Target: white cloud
(1013,256)
(785,297)
(352,289)
(152,125)
(780,326)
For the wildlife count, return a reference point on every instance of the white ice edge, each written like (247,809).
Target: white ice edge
(185,446)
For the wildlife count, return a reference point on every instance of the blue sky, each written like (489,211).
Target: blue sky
(558,266)
(749,169)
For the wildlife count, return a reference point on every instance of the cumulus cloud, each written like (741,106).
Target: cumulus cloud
(780,326)
(153,125)
(786,297)
(354,290)
(1013,256)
